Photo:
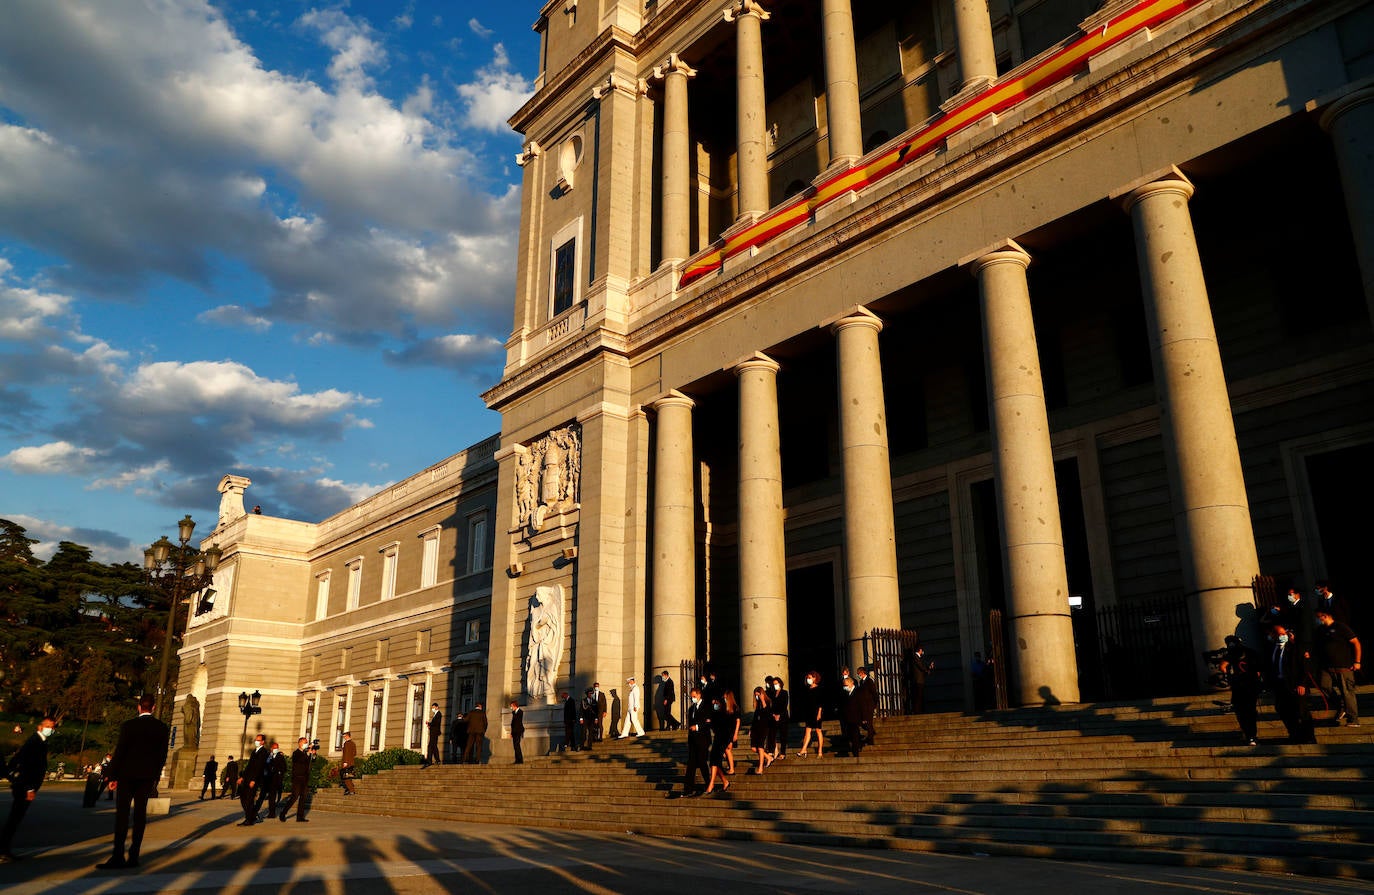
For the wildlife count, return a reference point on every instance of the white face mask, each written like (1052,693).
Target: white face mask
(1293,599)
(1283,638)
(45,732)
(696,700)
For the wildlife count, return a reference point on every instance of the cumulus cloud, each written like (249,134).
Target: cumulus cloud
(496,93)
(106,546)
(479,29)
(145,140)
(54,458)
(459,351)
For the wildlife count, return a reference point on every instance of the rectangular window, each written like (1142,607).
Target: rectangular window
(340,719)
(309,719)
(479,555)
(417,716)
(355,582)
(322,596)
(564,262)
(429,563)
(473,631)
(389,556)
(375,740)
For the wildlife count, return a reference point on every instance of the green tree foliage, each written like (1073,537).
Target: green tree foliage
(75,634)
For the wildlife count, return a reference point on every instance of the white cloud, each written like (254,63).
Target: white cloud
(106,546)
(495,95)
(235,316)
(352,43)
(53,458)
(208,387)
(479,29)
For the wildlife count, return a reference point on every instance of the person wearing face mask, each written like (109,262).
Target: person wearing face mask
(29,767)
(1339,654)
(251,778)
(810,706)
(698,746)
(851,716)
(1287,677)
(1296,615)
(779,701)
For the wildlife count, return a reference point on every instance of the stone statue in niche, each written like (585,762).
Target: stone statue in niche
(548,476)
(190,722)
(544,642)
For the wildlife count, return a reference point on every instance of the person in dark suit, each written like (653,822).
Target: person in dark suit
(867,689)
(230,784)
(572,739)
(517,729)
(29,768)
(780,703)
(346,763)
(300,780)
(921,669)
(601,711)
(250,779)
(477,731)
(851,715)
(698,746)
(590,712)
(273,779)
(664,698)
(211,777)
(139,755)
(1287,677)
(436,735)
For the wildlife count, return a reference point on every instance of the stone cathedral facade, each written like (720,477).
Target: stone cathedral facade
(835,315)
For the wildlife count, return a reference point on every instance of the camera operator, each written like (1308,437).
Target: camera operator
(301,760)
(1242,666)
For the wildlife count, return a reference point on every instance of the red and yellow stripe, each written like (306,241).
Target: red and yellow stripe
(1004,95)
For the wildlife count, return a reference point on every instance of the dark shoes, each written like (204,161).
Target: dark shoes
(113,864)
(246,823)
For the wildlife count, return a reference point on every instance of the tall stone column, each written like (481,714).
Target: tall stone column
(973,33)
(750,106)
(1211,511)
(762,557)
(677,156)
(870,540)
(1042,651)
(841,82)
(674,538)
(1350,122)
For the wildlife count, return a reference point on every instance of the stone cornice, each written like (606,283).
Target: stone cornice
(608,41)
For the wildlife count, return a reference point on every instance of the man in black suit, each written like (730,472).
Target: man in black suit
(139,756)
(601,710)
(1287,678)
(436,735)
(346,762)
(29,768)
(230,783)
(300,780)
(211,777)
(273,778)
(477,731)
(517,729)
(250,779)
(664,697)
(572,739)
(698,746)
(868,703)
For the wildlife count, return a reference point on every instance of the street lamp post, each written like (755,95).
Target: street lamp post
(177,571)
(248,707)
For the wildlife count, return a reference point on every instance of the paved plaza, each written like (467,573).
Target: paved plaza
(198,848)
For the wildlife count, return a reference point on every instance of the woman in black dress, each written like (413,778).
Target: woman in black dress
(761,731)
(809,708)
(724,729)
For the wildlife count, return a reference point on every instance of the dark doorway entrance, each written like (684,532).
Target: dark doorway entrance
(1082,605)
(811,638)
(1342,493)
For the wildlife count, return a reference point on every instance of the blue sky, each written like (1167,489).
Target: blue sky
(269,239)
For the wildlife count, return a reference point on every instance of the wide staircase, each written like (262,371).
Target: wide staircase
(1164,782)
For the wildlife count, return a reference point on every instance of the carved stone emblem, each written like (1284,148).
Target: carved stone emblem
(544,642)
(548,476)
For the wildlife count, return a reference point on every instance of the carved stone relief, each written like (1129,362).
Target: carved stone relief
(548,476)
(544,642)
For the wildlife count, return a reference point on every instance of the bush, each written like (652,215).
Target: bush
(326,773)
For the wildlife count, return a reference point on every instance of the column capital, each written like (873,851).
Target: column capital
(1169,180)
(1335,108)
(673,65)
(741,8)
(856,317)
(756,361)
(531,151)
(672,398)
(618,83)
(1005,252)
